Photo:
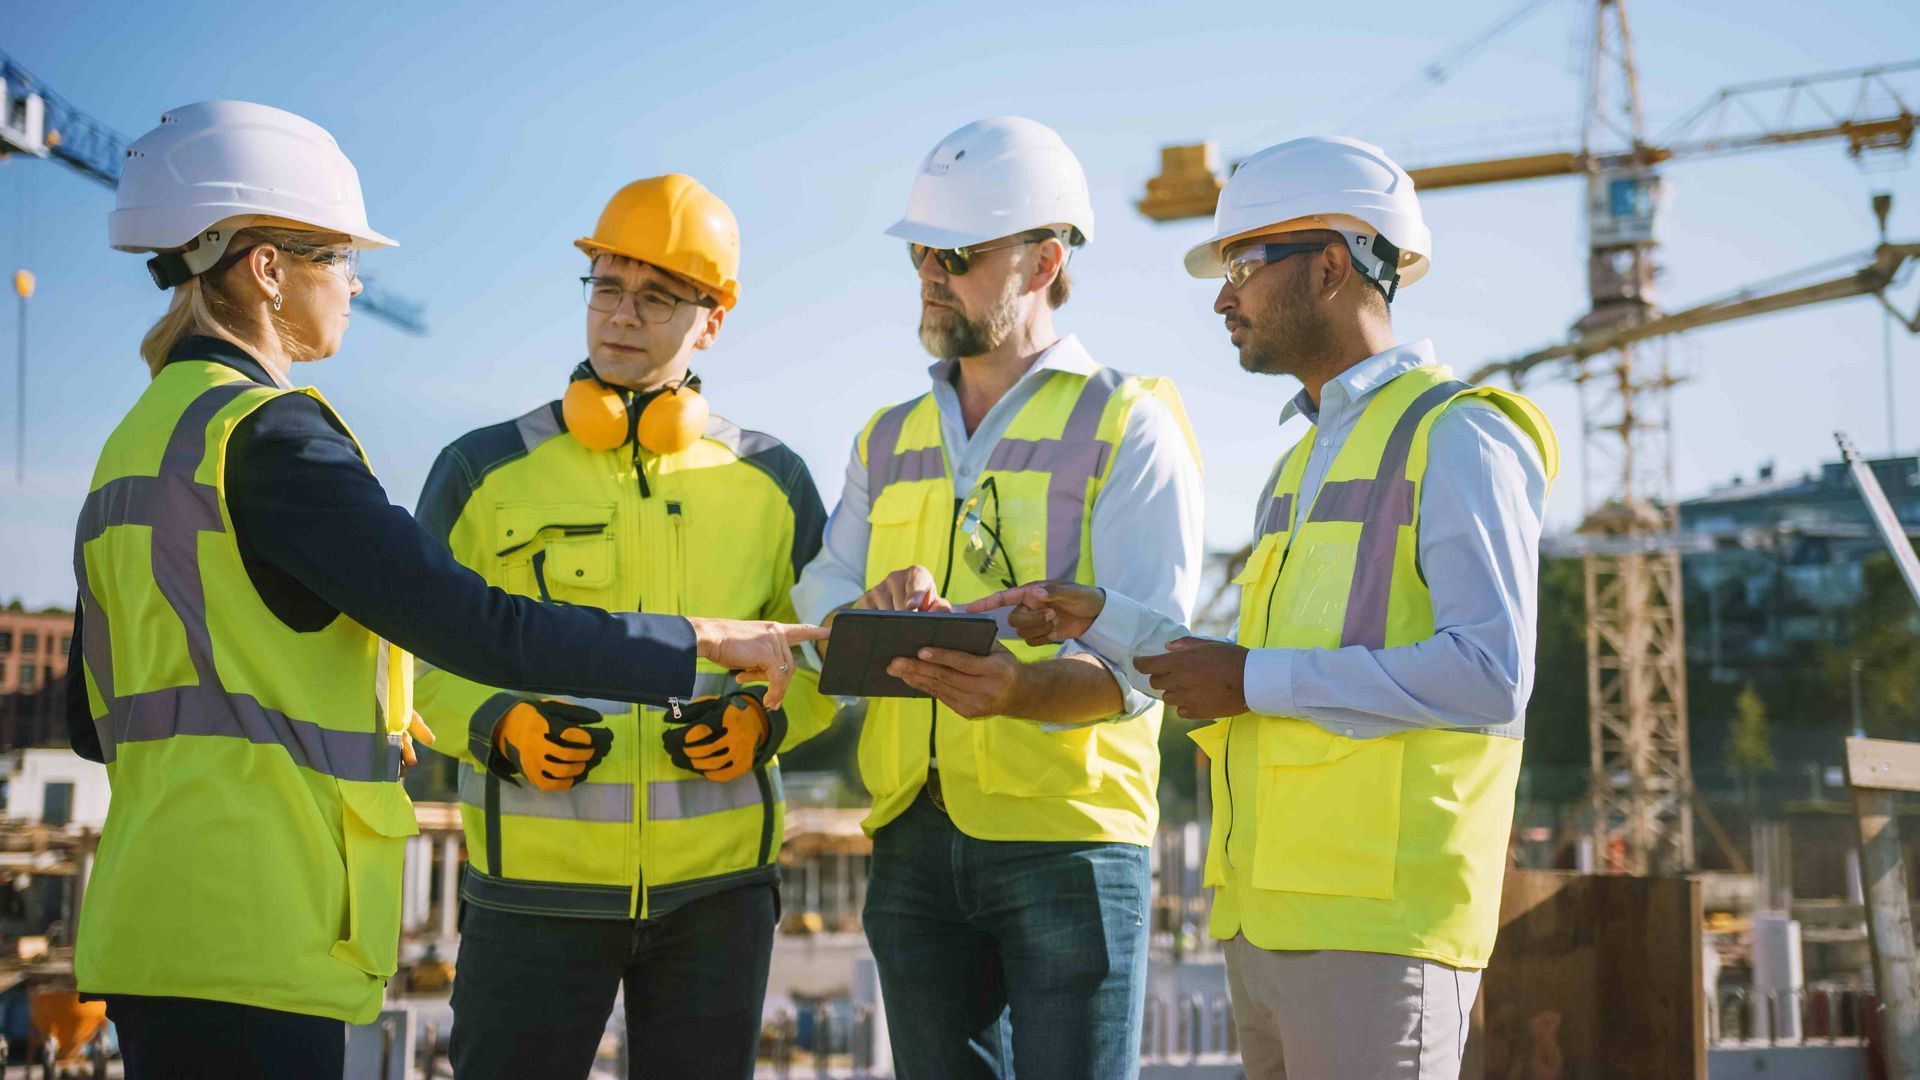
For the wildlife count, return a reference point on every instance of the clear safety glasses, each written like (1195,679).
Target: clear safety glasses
(986,552)
(1244,261)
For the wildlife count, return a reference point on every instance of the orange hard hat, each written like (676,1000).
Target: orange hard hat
(677,225)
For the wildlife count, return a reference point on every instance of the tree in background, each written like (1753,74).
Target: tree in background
(1749,749)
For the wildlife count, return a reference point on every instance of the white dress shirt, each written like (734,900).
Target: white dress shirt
(1147,519)
(1481,503)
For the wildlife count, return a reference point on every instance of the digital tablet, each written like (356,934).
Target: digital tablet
(864,642)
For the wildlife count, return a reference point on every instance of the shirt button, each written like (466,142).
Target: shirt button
(1348,731)
(1324,443)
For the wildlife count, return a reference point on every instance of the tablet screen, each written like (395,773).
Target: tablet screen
(864,642)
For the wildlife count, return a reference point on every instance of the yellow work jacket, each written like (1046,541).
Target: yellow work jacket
(253,850)
(1395,844)
(718,530)
(1004,778)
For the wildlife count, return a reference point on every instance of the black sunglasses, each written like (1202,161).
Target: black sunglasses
(957,261)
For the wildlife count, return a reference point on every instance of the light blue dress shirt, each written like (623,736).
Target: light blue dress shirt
(1147,520)
(1481,504)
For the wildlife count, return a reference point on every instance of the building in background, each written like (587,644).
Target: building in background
(33,670)
(1784,568)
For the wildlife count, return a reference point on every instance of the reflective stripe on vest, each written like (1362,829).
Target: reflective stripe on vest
(667,800)
(1073,460)
(1380,506)
(176,509)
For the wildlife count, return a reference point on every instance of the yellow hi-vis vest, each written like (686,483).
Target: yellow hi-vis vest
(253,850)
(713,530)
(1004,778)
(1390,845)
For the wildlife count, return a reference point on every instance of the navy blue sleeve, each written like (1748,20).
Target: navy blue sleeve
(303,501)
(80,729)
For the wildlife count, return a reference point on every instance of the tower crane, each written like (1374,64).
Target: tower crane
(1641,794)
(39,123)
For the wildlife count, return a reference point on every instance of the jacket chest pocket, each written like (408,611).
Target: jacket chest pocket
(1329,811)
(557,551)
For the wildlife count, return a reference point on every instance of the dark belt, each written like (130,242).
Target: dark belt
(933,790)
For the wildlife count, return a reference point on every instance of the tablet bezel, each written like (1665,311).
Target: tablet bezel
(864,642)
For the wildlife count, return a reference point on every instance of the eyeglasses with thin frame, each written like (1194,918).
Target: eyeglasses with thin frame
(957,261)
(986,552)
(1244,261)
(651,303)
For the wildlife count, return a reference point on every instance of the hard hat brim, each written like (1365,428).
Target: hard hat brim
(593,249)
(918,232)
(368,240)
(133,230)
(1203,259)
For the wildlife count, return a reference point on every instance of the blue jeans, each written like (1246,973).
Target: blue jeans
(998,956)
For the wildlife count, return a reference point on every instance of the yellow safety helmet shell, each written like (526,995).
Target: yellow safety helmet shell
(677,225)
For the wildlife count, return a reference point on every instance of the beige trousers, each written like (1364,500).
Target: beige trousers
(1347,1015)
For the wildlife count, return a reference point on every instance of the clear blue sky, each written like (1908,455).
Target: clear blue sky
(488,136)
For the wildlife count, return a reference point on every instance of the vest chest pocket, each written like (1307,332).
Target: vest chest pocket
(557,551)
(894,526)
(1329,811)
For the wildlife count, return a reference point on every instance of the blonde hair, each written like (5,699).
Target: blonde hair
(200,306)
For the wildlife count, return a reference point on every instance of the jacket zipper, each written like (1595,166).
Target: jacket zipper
(637,906)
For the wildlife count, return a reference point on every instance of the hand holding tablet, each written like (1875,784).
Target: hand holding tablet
(865,642)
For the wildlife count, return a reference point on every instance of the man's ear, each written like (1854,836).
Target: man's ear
(716,317)
(1052,258)
(1335,268)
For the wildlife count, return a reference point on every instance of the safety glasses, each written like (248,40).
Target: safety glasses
(651,304)
(957,261)
(986,552)
(1243,262)
(344,261)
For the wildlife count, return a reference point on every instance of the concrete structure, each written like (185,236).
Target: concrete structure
(57,787)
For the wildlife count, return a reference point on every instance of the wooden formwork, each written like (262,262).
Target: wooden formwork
(1593,976)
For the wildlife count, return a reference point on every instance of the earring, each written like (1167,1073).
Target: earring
(276,301)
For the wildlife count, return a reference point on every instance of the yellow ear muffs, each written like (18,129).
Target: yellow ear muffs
(669,420)
(596,414)
(673,419)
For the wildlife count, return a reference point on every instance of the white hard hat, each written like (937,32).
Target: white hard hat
(218,166)
(1324,182)
(995,178)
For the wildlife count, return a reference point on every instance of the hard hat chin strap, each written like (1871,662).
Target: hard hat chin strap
(171,268)
(1378,260)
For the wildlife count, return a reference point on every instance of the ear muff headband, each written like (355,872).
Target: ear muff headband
(664,421)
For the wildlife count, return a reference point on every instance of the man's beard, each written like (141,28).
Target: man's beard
(1288,338)
(950,334)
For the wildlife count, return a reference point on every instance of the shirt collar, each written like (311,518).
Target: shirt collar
(220,351)
(1066,354)
(1362,379)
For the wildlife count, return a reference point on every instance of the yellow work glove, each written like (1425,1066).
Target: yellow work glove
(720,737)
(553,744)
